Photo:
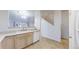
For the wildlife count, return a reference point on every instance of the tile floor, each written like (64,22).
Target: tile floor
(45,43)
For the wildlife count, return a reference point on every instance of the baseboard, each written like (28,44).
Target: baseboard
(30,44)
(50,39)
(64,38)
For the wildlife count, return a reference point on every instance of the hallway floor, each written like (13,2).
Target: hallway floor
(45,43)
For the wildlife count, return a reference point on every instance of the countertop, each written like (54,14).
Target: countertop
(10,33)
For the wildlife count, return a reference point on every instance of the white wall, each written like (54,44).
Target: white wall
(37,19)
(65,25)
(52,31)
(4,20)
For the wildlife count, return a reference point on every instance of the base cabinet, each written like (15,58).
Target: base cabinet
(23,40)
(17,41)
(8,43)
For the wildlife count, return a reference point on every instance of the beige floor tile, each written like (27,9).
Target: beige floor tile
(45,43)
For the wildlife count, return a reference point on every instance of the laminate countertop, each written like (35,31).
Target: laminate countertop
(10,33)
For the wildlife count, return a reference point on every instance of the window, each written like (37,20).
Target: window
(21,18)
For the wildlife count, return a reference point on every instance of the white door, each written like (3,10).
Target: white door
(77,28)
(72,33)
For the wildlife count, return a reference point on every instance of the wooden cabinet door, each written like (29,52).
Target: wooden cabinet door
(20,41)
(29,39)
(23,40)
(8,43)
